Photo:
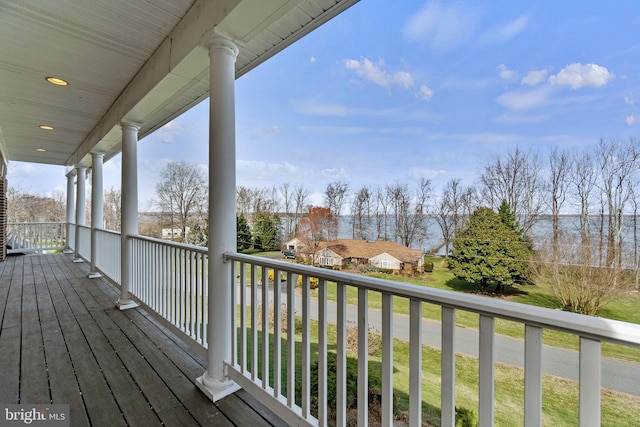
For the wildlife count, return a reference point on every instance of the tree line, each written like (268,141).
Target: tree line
(598,183)
(26,206)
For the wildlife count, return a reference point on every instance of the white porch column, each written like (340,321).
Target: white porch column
(97,209)
(129,210)
(71,207)
(222,215)
(81,209)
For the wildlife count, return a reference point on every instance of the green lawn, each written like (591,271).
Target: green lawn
(625,308)
(560,396)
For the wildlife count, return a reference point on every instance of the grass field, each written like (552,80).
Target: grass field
(560,396)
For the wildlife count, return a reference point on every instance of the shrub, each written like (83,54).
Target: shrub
(366,268)
(386,270)
(428,266)
(465,417)
(375,384)
(313,282)
(271,276)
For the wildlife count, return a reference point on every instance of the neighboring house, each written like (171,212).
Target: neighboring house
(172,233)
(295,245)
(347,253)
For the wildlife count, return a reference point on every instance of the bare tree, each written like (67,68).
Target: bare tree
(559,169)
(517,179)
(361,213)
(636,256)
(409,211)
(335,195)
(28,207)
(577,280)
(382,212)
(469,201)
(583,180)
(112,209)
(288,205)
(449,213)
(244,200)
(300,201)
(181,193)
(617,163)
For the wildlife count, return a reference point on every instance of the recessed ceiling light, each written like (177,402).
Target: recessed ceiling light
(40,150)
(46,127)
(57,81)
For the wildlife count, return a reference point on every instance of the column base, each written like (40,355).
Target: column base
(216,390)
(78,260)
(126,304)
(94,274)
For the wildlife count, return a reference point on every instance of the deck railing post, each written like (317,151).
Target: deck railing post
(129,210)
(222,214)
(97,214)
(71,206)
(80,209)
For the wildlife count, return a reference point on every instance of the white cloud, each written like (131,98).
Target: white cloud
(321,109)
(313,107)
(334,173)
(260,170)
(504,33)
(633,119)
(424,92)
(273,130)
(418,173)
(345,130)
(507,74)
(312,59)
(582,75)
(168,132)
(629,100)
(377,74)
(511,118)
(442,26)
(535,77)
(522,100)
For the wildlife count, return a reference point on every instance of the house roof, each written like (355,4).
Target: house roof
(348,248)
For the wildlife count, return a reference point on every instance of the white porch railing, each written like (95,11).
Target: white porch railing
(108,256)
(85,242)
(35,236)
(252,354)
(171,280)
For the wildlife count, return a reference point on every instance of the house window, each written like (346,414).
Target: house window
(385,263)
(326,260)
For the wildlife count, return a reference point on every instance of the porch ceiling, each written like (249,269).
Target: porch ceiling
(129,60)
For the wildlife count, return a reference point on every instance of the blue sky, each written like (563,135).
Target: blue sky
(400,90)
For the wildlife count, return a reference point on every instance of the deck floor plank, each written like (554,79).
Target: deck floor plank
(34,381)
(112,367)
(100,404)
(155,392)
(164,367)
(62,377)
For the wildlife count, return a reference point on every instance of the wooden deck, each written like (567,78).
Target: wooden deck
(63,341)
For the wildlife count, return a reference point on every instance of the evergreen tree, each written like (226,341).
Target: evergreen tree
(508,217)
(197,236)
(279,228)
(243,236)
(489,252)
(264,232)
